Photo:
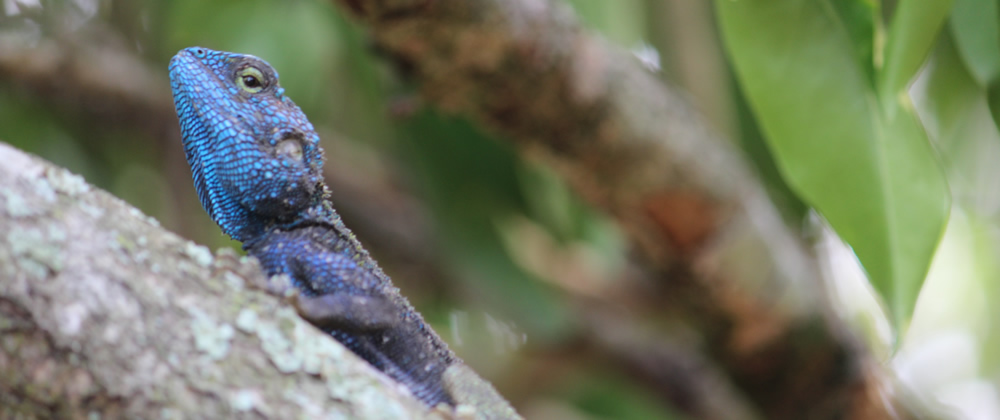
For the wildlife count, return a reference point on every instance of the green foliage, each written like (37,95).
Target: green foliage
(912,33)
(976,29)
(975,25)
(620,20)
(959,121)
(607,395)
(854,151)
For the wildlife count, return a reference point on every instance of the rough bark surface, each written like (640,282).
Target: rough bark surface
(631,146)
(104,313)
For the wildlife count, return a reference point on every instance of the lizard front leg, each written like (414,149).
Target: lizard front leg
(346,312)
(333,293)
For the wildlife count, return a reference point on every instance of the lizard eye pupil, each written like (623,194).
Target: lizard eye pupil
(251,82)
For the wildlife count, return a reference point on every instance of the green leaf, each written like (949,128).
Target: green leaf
(872,174)
(951,110)
(858,17)
(622,21)
(993,99)
(912,33)
(975,24)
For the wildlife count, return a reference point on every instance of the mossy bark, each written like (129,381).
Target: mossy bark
(102,312)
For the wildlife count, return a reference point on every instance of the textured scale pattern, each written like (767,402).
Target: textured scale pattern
(256,164)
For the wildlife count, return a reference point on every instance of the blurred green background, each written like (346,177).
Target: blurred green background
(496,251)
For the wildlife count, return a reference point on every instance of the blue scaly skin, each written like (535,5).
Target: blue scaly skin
(256,164)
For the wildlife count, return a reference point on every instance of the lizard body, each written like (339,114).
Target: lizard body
(256,164)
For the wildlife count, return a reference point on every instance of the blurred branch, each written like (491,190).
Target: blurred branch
(103,312)
(669,367)
(686,198)
(94,79)
(99,78)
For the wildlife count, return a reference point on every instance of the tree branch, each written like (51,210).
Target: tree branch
(103,312)
(632,147)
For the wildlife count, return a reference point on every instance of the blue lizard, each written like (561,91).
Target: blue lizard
(256,163)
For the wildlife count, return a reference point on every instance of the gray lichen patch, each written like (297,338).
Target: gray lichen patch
(246,321)
(66,182)
(139,215)
(36,250)
(290,343)
(317,352)
(369,400)
(72,318)
(244,400)
(91,210)
(44,190)
(233,282)
(210,337)
(15,205)
(277,343)
(470,392)
(56,234)
(123,242)
(350,386)
(311,410)
(198,253)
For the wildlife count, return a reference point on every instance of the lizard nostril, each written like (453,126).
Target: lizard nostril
(199,52)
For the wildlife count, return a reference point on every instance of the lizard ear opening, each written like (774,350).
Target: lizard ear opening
(290,148)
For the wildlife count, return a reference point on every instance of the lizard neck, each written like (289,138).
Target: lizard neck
(321,214)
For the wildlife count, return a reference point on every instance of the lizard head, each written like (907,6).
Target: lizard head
(254,156)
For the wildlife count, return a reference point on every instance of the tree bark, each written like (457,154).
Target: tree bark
(726,262)
(103,312)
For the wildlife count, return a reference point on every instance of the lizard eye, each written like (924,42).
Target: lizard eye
(250,79)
